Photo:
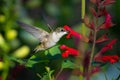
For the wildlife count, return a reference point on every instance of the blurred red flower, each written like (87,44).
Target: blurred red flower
(112,59)
(103,38)
(108,46)
(108,21)
(107,2)
(104,49)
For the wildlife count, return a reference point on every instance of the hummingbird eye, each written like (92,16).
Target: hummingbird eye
(62,30)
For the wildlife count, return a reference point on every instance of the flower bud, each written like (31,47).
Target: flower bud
(22,52)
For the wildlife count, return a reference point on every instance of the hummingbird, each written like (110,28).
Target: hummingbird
(46,39)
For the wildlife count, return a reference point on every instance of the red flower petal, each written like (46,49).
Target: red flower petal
(113,61)
(72,32)
(108,22)
(95,70)
(107,2)
(104,49)
(115,57)
(111,58)
(67,28)
(69,35)
(73,52)
(108,46)
(68,51)
(65,54)
(102,39)
(63,47)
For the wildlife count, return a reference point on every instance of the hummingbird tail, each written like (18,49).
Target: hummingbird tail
(38,48)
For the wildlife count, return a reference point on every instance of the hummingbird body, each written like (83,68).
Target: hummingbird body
(46,39)
(49,41)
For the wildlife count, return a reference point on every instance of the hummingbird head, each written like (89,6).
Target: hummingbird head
(61,31)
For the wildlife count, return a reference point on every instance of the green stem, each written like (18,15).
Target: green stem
(39,75)
(6,67)
(82,16)
(83,9)
(83,30)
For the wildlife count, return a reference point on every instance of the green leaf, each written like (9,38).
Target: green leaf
(68,64)
(105,76)
(118,77)
(46,52)
(16,60)
(54,50)
(113,79)
(27,63)
(45,77)
(118,68)
(32,57)
(48,74)
(30,63)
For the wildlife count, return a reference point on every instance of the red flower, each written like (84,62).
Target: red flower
(68,51)
(104,49)
(112,59)
(72,33)
(107,2)
(103,38)
(108,22)
(95,69)
(108,46)
(65,54)
(63,47)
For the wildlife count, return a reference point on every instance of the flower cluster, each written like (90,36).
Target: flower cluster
(72,33)
(108,46)
(112,59)
(68,51)
(95,28)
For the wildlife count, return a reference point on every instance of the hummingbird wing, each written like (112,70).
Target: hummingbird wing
(36,32)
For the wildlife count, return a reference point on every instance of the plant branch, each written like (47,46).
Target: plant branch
(59,73)
(92,53)
(82,16)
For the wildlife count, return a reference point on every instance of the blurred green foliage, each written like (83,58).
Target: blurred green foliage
(16,45)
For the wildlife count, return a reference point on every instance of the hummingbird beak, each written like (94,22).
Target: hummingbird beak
(67,31)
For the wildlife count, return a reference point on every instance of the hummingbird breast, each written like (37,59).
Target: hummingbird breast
(51,40)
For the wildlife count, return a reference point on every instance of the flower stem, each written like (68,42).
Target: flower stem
(83,28)
(82,16)
(6,67)
(59,73)
(83,9)
(92,53)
